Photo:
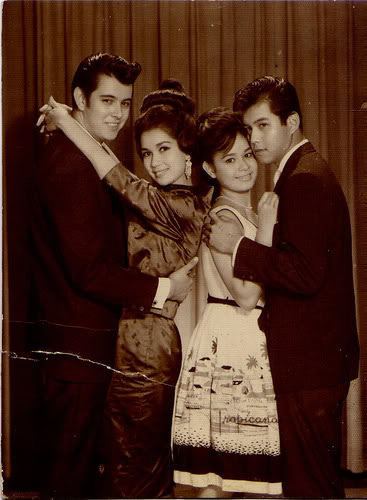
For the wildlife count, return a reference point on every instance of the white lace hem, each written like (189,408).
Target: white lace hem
(235,485)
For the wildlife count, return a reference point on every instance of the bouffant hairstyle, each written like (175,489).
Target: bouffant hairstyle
(216,131)
(169,109)
(279,93)
(92,67)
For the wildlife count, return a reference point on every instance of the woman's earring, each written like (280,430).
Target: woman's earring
(188,165)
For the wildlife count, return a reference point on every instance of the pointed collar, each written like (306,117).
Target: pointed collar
(292,162)
(283,161)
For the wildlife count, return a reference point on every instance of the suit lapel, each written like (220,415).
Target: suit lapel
(292,163)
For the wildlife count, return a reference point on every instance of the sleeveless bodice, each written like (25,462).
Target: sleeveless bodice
(215,284)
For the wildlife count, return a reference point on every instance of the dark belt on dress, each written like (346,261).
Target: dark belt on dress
(228,302)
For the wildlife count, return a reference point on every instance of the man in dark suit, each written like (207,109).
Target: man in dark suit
(309,316)
(81,284)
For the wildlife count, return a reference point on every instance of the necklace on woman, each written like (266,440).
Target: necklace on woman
(246,207)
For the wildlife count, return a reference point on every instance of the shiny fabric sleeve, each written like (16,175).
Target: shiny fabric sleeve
(169,212)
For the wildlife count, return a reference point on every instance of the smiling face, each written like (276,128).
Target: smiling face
(269,138)
(107,109)
(162,157)
(236,169)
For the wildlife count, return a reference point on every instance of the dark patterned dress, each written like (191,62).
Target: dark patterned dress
(136,437)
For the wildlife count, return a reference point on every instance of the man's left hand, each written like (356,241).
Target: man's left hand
(222,233)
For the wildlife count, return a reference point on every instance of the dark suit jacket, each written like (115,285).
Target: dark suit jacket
(78,256)
(309,317)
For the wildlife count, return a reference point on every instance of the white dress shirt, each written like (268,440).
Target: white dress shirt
(285,158)
(163,289)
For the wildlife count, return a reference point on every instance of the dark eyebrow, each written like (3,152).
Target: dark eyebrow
(261,119)
(158,144)
(228,154)
(110,96)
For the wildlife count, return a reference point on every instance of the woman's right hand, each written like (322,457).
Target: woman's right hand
(267,210)
(52,115)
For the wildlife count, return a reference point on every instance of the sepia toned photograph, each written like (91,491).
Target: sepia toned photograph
(184,249)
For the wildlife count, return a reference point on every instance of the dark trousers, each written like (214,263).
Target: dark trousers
(310,439)
(72,416)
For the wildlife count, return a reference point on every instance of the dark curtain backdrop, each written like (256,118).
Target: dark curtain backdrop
(213,47)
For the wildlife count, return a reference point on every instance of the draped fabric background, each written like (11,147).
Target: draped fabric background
(213,47)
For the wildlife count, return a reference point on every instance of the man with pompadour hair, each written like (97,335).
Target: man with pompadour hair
(79,254)
(309,316)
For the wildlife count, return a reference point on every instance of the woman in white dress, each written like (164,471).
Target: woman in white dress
(225,435)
